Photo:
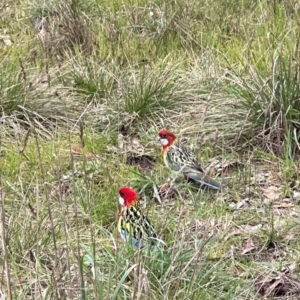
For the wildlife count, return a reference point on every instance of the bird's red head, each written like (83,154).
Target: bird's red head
(166,138)
(127,196)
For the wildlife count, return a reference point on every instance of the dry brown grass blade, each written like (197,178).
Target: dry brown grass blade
(5,245)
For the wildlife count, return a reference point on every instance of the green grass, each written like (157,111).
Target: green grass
(86,85)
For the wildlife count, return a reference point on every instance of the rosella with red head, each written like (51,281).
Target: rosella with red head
(179,159)
(133,225)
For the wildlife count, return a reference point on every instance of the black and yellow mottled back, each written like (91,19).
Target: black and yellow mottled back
(178,157)
(135,227)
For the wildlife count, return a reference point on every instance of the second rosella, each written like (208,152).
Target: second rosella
(178,158)
(133,225)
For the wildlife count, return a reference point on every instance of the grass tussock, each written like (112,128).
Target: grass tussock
(85,86)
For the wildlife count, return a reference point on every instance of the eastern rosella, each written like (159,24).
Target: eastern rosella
(178,158)
(133,225)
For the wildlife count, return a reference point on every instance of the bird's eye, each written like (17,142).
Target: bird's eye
(121,194)
(164,136)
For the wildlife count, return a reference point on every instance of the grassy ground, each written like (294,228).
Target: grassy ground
(86,85)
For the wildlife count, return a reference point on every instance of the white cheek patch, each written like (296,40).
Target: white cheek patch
(164,142)
(121,200)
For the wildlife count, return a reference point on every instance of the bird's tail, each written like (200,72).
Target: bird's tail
(203,179)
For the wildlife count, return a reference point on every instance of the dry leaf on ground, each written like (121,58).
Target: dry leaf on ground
(272,192)
(249,246)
